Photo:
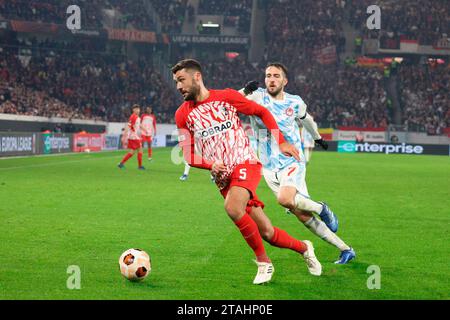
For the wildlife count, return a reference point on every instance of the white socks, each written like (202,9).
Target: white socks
(186,169)
(307,154)
(306,204)
(320,229)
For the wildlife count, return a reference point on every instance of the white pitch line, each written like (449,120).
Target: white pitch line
(54,163)
(52,155)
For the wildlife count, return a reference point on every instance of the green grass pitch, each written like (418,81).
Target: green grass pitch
(82,210)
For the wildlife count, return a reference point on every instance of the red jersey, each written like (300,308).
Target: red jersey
(213,130)
(148,125)
(134,127)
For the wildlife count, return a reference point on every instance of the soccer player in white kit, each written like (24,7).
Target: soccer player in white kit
(285,175)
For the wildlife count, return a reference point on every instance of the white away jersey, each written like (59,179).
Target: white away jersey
(286,113)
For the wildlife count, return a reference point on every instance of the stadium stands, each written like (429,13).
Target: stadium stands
(426,96)
(171,14)
(50,11)
(237,13)
(95,80)
(425,21)
(97,86)
(133,12)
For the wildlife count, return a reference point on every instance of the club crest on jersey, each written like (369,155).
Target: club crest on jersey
(289,111)
(214,130)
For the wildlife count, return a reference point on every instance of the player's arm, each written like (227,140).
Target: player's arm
(251,108)
(125,132)
(186,143)
(311,126)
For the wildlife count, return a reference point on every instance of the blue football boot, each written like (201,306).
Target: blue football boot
(329,218)
(346,256)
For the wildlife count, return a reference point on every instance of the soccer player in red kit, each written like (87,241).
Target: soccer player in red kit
(132,133)
(211,137)
(148,129)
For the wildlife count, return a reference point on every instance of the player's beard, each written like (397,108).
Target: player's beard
(276,92)
(193,92)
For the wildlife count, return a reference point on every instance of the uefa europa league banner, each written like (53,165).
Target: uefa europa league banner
(18,144)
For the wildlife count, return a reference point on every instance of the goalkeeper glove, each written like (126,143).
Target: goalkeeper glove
(250,87)
(322,143)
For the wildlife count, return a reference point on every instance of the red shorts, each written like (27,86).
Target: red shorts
(134,144)
(147,139)
(247,176)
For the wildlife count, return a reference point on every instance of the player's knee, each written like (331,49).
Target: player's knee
(234,211)
(266,233)
(286,201)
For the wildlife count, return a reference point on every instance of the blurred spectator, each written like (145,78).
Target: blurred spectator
(171,14)
(426,95)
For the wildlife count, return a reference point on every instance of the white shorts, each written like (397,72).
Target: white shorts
(308,143)
(292,176)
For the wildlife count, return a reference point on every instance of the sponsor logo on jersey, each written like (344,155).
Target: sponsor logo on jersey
(214,130)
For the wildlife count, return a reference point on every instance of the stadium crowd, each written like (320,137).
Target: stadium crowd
(96,86)
(426,95)
(51,11)
(171,14)
(426,21)
(295,32)
(98,83)
(338,95)
(237,13)
(132,12)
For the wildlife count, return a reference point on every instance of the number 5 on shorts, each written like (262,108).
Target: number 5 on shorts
(243,174)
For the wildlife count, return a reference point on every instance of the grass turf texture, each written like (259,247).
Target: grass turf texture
(82,210)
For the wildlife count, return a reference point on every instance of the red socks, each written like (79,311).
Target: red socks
(140,159)
(282,239)
(250,232)
(149,152)
(127,156)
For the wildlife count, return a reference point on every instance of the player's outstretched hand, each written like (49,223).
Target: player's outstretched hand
(218,167)
(322,143)
(250,87)
(289,150)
